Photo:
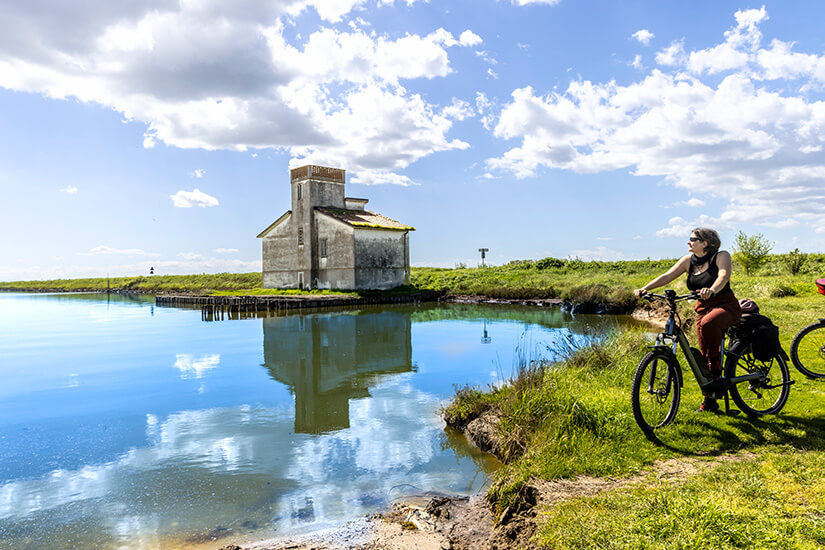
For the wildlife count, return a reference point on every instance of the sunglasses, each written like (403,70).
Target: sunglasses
(694,239)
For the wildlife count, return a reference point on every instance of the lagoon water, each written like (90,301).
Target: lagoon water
(125,425)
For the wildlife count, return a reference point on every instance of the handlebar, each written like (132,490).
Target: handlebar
(670,296)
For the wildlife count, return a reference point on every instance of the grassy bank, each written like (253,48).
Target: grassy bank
(606,284)
(204,283)
(574,418)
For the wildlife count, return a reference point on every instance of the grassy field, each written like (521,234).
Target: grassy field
(574,417)
(608,284)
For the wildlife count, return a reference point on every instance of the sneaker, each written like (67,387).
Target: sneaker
(708,405)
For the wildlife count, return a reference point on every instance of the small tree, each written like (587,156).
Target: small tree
(794,261)
(751,251)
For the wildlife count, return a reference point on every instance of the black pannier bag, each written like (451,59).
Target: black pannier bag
(760,333)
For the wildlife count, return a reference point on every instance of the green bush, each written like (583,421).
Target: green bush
(751,251)
(794,261)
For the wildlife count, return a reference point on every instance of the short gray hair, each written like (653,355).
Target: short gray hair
(711,237)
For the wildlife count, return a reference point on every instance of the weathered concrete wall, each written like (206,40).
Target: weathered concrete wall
(380,258)
(337,269)
(279,256)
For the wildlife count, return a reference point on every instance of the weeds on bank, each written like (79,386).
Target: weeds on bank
(573,417)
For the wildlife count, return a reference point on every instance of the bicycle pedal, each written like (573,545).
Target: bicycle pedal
(733,412)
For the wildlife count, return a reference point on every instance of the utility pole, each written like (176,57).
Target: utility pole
(483,254)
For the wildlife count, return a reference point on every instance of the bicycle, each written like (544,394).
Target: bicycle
(658,381)
(808,346)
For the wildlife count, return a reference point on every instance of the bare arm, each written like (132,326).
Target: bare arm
(670,275)
(724,264)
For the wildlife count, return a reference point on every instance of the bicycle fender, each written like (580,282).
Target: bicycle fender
(666,350)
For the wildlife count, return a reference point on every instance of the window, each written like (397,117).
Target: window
(300,236)
(323,248)
(300,193)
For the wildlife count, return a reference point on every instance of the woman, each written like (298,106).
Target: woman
(708,270)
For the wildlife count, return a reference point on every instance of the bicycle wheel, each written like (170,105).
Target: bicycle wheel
(808,350)
(656,391)
(764,395)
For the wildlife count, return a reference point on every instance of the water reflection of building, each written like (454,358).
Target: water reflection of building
(328,359)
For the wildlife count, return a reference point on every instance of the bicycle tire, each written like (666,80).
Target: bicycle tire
(657,408)
(811,341)
(764,396)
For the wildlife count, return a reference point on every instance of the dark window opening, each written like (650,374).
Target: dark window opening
(323,248)
(300,194)
(300,236)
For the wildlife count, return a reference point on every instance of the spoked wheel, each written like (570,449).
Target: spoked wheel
(808,350)
(656,391)
(765,394)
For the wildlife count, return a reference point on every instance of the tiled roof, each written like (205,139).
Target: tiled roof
(364,218)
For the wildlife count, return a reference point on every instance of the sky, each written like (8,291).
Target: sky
(159,133)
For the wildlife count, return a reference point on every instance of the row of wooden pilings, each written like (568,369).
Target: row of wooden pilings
(214,308)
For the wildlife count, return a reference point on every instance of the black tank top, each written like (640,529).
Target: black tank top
(706,278)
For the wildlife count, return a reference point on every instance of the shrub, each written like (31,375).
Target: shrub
(751,251)
(783,290)
(549,263)
(794,261)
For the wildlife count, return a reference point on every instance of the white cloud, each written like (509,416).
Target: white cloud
(643,36)
(196,197)
(693,202)
(191,256)
(223,75)
(601,253)
(483,54)
(492,74)
(740,136)
(672,55)
(69,190)
(637,62)
(103,249)
(469,38)
(226,250)
(198,173)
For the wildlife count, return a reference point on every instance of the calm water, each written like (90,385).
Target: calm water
(127,425)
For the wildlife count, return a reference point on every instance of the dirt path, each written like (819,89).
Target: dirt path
(460,523)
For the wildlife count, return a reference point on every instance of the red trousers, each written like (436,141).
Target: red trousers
(714,316)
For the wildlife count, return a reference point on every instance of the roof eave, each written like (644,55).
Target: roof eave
(272,226)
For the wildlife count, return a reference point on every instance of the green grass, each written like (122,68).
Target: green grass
(204,283)
(571,418)
(776,500)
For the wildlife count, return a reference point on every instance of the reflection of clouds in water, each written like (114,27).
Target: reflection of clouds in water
(190,367)
(213,440)
(321,479)
(391,436)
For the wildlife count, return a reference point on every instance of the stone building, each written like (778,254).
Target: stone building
(331,241)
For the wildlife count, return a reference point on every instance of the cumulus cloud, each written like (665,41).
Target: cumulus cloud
(643,36)
(69,190)
(693,202)
(226,250)
(196,197)
(224,75)
(741,135)
(103,249)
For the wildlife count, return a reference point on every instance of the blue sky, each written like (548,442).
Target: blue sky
(159,132)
